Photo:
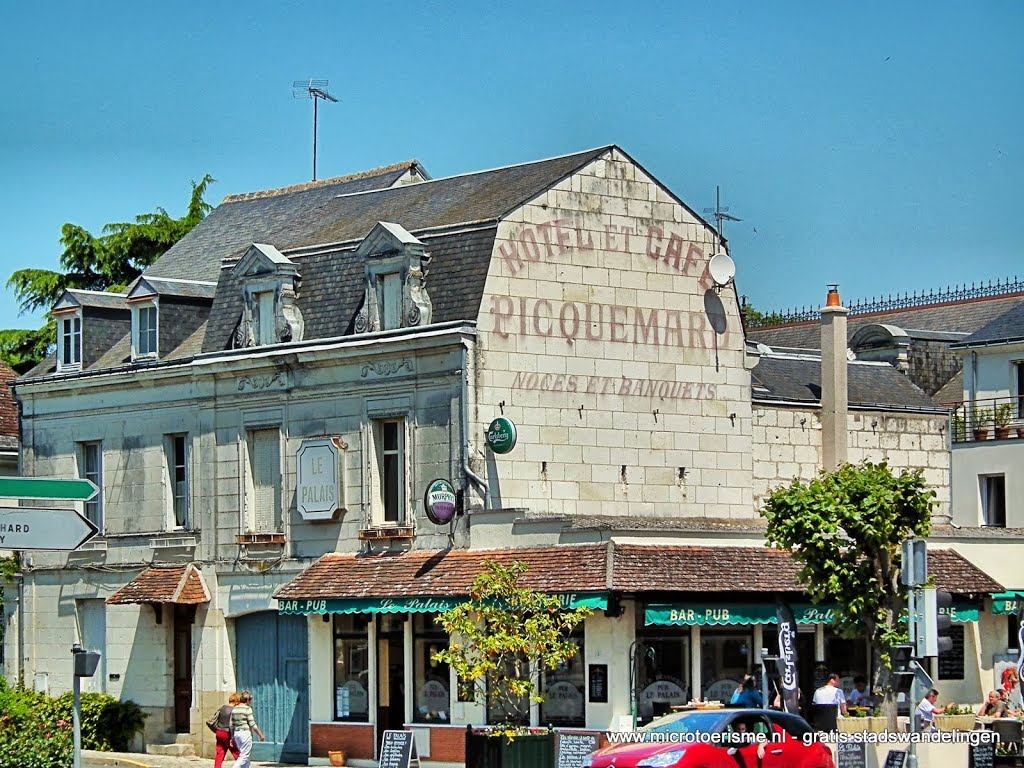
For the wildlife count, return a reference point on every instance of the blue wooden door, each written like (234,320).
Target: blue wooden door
(272,664)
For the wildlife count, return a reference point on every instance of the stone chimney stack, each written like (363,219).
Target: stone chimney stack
(834,396)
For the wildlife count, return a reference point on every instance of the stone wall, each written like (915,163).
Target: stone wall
(603,340)
(787,445)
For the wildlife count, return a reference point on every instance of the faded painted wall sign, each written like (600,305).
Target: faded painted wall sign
(612,385)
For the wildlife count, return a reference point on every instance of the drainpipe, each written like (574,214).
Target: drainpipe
(478,481)
(834,395)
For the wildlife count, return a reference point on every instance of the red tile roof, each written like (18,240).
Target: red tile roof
(585,568)
(567,568)
(182,584)
(8,413)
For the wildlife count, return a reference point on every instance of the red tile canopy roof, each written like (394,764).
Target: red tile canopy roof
(181,584)
(588,568)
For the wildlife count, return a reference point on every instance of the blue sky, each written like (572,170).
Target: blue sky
(877,145)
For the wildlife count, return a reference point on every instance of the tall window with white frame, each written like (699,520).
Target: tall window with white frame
(1018,379)
(263,481)
(90,458)
(993,500)
(145,340)
(70,343)
(391,301)
(264,322)
(389,454)
(178,481)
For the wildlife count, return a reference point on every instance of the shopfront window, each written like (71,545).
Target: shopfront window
(661,670)
(725,657)
(431,678)
(351,669)
(564,690)
(848,658)
(501,707)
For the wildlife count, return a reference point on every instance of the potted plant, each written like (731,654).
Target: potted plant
(502,640)
(1001,416)
(959,427)
(980,419)
(956,719)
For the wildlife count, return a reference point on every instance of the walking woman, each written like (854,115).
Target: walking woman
(244,725)
(222,731)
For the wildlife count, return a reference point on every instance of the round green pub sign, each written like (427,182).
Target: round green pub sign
(501,435)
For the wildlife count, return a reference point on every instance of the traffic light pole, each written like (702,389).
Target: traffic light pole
(912,629)
(76,688)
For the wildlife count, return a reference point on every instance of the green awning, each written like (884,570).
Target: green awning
(1006,603)
(596,601)
(684,614)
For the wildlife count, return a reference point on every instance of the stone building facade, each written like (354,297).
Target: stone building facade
(293,376)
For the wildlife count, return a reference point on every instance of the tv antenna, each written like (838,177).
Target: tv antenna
(315,90)
(721,214)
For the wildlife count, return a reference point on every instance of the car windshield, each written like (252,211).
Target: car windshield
(689,722)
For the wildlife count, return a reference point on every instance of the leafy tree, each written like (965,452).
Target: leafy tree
(846,529)
(108,262)
(504,637)
(752,318)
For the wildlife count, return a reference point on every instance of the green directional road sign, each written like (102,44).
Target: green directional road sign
(42,488)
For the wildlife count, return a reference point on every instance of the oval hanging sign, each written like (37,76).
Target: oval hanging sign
(439,502)
(501,435)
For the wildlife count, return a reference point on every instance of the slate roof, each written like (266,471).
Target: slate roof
(634,568)
(186,289)
(871,385)
(316,217)
(99,299)
(8,412)
(181,584)
(1008,327)
(333,285)
(952,391)
(956,317)
(241,220)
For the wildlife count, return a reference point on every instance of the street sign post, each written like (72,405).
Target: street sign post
(30,528)
(78,489)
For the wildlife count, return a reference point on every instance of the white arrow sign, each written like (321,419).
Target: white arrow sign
(29,528)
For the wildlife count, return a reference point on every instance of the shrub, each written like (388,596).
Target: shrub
(37,723)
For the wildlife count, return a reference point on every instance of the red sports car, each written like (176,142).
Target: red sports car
(724,738)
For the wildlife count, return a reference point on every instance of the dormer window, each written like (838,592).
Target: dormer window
(269,282)
(69,341)
(396,270)
(144,337)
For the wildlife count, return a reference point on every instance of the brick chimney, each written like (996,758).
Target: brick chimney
(834,397)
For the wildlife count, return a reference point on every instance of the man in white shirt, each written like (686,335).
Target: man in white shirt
(927,710)
(831,693)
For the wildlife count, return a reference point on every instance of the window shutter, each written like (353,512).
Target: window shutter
(265,464)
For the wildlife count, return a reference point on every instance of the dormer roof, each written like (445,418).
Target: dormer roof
(145,287)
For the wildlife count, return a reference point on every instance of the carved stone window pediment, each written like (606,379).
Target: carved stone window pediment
(395,272)
(270,283)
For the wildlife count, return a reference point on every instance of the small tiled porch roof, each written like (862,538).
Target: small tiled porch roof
(588,568)
(180,584)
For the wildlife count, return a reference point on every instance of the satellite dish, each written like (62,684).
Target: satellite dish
(722,269)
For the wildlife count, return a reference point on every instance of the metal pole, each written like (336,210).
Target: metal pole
(314,136)
(912,630)
(76,688)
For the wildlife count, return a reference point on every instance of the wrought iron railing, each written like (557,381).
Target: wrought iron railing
(892,303)
(994,418)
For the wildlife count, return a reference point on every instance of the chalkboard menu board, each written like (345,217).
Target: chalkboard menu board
(981,755)
(851,754)
(574,748)
(895,759)
(597,683)
(397,749)
(951,663)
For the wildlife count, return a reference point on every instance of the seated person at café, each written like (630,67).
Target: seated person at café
(747,695)
(927,710)
(860,696)
(831,693)
(994,706)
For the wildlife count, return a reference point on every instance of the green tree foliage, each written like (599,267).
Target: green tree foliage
(845,529)
(108,262)
(752,318)
(504,637)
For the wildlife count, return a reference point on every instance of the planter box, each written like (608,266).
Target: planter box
(955,722)
(861,724)
(532,750)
